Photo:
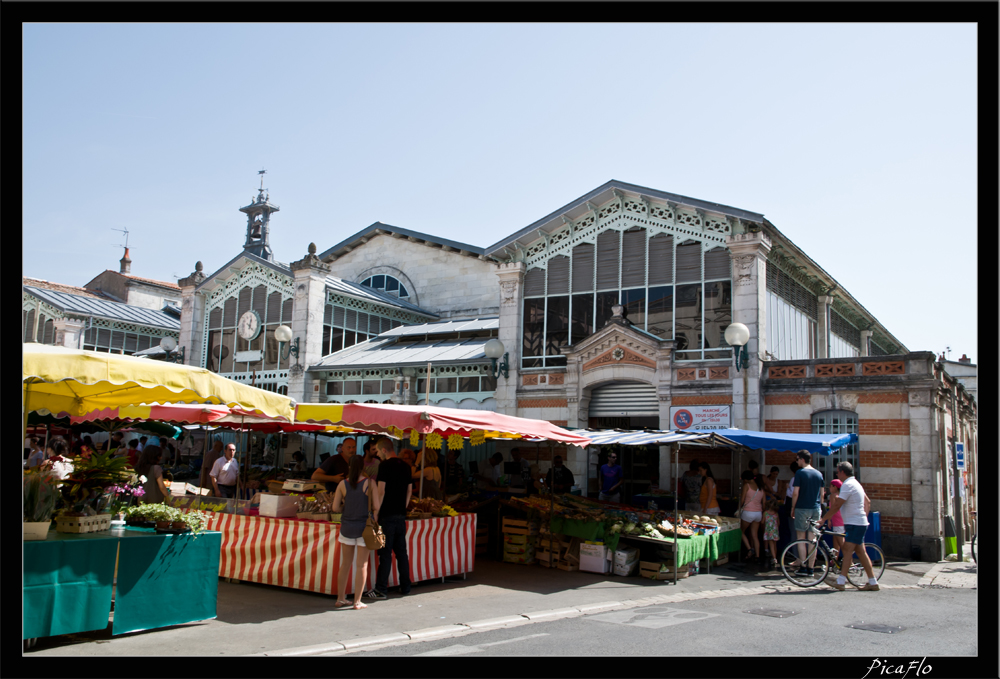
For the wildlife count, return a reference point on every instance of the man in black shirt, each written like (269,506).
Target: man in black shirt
(394,477)
(559,478)
(334,468)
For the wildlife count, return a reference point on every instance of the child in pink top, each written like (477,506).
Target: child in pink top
(836,521)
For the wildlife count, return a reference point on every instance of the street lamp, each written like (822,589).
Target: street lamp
(168,344)
(737,335)
(284,336)
(494,349)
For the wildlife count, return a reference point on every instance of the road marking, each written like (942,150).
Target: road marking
(652,619)
(462,649)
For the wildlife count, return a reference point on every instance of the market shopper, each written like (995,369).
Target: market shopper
(351,501)
(692,483)
(114,442)
(149,466)
(805,504)
(430,473)
(37,455)
(611,480)
(771,533)
(210,457)
(853,504)
(454,476)
(751,502)
(490,476)
(560,478)
(706,498)
(771,484)
(225,472)
(370,461)
(836,519)
(395,490)
(132,453)
(298,462)
(523,475)
(143,440)
(334,468)
(785,490)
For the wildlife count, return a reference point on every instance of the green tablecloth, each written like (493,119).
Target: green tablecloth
(699,547)
(728,541)
(585,530)
(67,581)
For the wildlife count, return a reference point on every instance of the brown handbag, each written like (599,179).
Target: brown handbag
(373,536)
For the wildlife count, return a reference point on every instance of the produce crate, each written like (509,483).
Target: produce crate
(519,558)
(83,524)
(723,559)
(275,486)
(518,549)
(547,559)
(563,566)
(519,527)
(517,539)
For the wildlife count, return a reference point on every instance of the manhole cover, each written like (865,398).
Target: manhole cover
(873,627)
(772,612)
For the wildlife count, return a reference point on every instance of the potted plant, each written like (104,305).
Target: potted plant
(195,521)
(85,489)
(40,496)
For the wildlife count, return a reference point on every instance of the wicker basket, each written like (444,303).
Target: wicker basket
(83,524)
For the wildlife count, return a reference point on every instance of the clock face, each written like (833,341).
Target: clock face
(249,325)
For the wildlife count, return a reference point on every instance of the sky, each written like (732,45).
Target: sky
(857,141)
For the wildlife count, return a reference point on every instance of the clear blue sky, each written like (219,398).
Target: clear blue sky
(858,141)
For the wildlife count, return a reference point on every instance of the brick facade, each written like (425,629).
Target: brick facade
(878,458)
(786,399)
(889,397)
(541,403)
(883,427)
(721,399)
(896,525)
(888,491)
(788,426)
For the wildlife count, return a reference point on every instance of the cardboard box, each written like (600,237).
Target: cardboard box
(593,564)
(623,557)
(278,505)
(594,550)
(627,569)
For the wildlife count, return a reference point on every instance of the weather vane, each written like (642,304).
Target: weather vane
(261,173)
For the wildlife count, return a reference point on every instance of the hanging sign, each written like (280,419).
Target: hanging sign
(960,455)
(251,356)
(700,417)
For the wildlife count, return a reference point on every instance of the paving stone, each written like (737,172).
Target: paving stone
(442,631)
(497,622)
(371,641)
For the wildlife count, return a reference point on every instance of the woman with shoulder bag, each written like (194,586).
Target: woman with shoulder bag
(751,513)
(353,498)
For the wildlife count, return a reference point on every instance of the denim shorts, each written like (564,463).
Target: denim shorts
(855,534)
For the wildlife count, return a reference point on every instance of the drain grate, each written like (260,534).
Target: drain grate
(772,612)
(874,627)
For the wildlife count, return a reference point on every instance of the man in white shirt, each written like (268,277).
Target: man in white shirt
(224,473)
(853,503)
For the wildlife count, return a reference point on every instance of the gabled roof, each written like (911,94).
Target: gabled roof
(602,194)
(380,229)
(59,287)
(334,283)
(138,279)
(86,305)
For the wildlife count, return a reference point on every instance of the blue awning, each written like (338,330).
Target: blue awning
(817,444)
(623,437)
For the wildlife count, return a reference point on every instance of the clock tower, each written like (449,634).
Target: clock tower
(258,214)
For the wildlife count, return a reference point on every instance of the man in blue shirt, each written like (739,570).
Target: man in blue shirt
(611,480)
(806,504)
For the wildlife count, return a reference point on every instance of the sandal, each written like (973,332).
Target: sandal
(359,605)
(341,604)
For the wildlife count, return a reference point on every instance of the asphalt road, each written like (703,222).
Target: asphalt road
(923,622)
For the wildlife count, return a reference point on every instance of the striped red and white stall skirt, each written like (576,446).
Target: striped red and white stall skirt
(306,554)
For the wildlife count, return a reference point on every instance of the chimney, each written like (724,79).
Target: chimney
(965,359)
(125,262)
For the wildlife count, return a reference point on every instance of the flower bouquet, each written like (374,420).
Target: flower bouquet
(85,488)
(40,497)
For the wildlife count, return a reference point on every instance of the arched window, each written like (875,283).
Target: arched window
(387,284)
(835,422)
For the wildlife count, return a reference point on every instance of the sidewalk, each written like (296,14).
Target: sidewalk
(960,574)
(263,620)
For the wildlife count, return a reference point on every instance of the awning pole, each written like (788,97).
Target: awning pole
(677,537)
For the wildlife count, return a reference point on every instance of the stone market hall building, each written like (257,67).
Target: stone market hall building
(612,310)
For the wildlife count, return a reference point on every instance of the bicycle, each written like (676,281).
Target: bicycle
(795,570)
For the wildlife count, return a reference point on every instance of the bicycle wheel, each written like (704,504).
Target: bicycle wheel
(793,570)
(856,573)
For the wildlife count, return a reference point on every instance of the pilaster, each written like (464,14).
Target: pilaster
(69,332)
(866,336)
(309,274)
(749,256)
(511,279)
(823,303)
(192,316)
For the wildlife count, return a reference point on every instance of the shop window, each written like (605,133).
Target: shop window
(836,422)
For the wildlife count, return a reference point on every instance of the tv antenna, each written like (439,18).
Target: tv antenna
(125,231)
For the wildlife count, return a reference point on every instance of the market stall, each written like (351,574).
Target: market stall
(69,581)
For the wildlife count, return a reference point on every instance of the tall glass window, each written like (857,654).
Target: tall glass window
(224,341)
(669,289)
(836,422)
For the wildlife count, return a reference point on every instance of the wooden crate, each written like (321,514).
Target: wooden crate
(83,524)
(562,565)
(519,527)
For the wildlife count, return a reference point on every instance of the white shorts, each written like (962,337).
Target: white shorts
(751,517)
(357,542)
(713,512)
(837,529)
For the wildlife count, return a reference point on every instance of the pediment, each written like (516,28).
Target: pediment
(619,354)
(617,343)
